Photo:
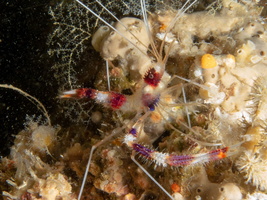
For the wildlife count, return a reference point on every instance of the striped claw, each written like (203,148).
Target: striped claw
(164,159)
(80,93)
(112,100)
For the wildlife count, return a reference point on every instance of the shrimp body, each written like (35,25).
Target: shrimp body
(152,95)
(145,100)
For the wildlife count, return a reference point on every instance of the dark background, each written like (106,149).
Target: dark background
(24,63)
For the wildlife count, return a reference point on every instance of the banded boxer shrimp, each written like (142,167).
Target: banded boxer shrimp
(153,96)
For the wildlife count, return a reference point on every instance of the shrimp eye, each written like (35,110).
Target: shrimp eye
(152,77)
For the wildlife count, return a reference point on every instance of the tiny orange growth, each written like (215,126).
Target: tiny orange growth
(11,164)
(175,187)
(66,96)
(163,27)
(156,117)
(168,98)
(117,142)
(221,155)
(208,61)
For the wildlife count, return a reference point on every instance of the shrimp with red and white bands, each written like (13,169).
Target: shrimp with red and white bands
(147,102)
(151,96)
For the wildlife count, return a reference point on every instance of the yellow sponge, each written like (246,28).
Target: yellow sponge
(208,61)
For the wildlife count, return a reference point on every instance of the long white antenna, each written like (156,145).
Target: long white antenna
(114,132)
(87,170)
(119,21)
(107,70)
(186,108)
(104,21)
(151,177)
(143,7)
(185,125)
(177,16)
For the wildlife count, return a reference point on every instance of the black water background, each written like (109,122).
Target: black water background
(24,63)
